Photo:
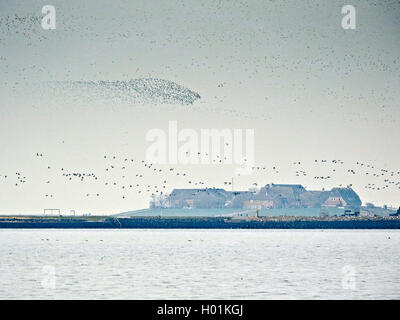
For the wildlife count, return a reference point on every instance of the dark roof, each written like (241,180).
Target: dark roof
(348,195)
(193,192)
(292,186)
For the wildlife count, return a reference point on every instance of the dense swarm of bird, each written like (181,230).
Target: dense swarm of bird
(135,91)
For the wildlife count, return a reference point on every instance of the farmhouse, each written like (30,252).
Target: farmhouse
(269,196)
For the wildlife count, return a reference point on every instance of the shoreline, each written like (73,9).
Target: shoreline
(153,222)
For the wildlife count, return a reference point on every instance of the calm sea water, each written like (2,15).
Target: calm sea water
(199,264)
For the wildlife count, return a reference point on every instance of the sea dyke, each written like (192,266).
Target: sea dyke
(281,222)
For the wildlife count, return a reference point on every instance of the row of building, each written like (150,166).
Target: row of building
(269,196)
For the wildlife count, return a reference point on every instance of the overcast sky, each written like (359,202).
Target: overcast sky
(287,69)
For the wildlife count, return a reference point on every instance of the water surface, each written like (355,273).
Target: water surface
(199,264)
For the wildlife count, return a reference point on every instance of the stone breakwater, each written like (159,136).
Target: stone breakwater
(282,222)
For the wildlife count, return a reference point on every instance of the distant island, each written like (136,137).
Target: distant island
(215,208)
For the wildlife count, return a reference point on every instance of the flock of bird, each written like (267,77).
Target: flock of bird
(276,66)
(27,26)
(128,176)
(136,91)
(81,25)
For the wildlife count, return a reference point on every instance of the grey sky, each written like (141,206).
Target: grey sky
(310,89)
